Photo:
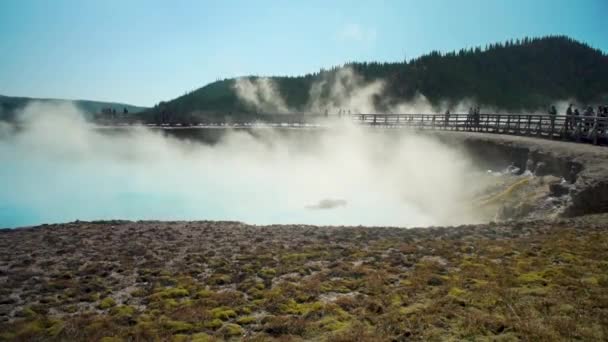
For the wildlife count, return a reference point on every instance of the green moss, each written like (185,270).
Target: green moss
(138,293)
(219,279)
(55,328)
(223,313)
(180,338)
(405,282)
(177,326)
(293,308)
(201,337)
(173,292)
(532,277)
(267,273)
(335,287)
(333,324)
(123,311)
(245,310)
(412,309)
(396,300)
(260,286)
(33,328)
(204,293)
(145,329)
(296,257)
(106,303)
(7,336)
(532,291)
(593,281)
(213,324)
(111,339)
(456,292)
(231,330)
(246,320)
(566,309)
(169,303)
(568,257)
(28,312)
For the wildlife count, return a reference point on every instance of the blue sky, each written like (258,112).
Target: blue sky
(142,52)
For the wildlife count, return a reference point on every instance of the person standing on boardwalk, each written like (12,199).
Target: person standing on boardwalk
(477,117)
(601,119)
(552,115)
(589,118)
(569,123)
(577,118)
(552,112)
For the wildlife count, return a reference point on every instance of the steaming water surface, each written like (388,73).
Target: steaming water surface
(58,168)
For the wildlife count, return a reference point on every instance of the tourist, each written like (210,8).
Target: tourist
(552,115)
(577,118)
(569,123)
(552,111)
(589,118)
(602,113)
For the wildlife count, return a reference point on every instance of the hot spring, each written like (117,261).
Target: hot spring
(56,167)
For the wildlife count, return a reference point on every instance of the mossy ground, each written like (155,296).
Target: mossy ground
(209,281)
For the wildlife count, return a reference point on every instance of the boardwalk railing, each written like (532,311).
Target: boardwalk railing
(590,129)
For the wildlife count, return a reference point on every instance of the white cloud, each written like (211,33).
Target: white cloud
(356,33)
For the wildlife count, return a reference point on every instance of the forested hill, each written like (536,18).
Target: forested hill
(10,106)
(523,74)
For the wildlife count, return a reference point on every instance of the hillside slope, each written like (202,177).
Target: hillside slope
(10,106)
(525,74)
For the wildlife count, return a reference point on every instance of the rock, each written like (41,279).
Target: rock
(5,310)
(558,189)
(435,281)
(530,165)
(550,179)
(7,300)
(541,169)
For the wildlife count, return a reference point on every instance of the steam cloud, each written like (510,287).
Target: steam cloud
(261,93)
(328,204)
(343,91)
(58,167)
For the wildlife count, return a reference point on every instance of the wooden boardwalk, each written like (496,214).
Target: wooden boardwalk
(588,129)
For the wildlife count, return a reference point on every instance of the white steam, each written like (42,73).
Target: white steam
(342,91)
(262,94)
(57,167)
(345,91)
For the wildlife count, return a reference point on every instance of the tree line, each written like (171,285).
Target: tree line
(517,75)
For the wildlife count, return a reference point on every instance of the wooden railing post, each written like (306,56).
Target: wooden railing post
(487,121)
(594,130)
(497,130)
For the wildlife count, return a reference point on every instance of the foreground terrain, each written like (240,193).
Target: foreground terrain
(205,281)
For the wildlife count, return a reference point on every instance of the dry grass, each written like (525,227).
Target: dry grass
(205,281)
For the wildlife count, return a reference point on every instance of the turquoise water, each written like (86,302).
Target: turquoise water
(79,173)
(37,192)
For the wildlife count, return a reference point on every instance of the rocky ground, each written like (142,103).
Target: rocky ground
(205,281)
